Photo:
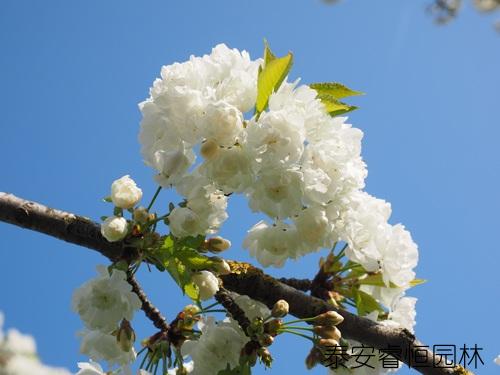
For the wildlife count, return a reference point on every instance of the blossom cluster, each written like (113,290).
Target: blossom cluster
(294,162)
(105,305)
(18,355)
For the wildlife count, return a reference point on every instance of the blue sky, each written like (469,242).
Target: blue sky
(72,73)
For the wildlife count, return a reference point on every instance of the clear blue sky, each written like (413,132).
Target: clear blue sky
(72,73)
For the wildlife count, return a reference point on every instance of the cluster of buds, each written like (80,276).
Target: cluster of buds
(262,333)
(328,337)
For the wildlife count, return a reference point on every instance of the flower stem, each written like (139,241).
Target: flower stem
(296,333)
(154,198)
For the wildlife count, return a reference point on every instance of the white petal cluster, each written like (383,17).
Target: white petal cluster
(294,163)
(221,341)
(125,193)
(18,355)
(114,228)
(100,346)
(220,344)
(207,284)
(102,304)
(104,301)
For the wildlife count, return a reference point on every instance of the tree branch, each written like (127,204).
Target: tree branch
(245,279)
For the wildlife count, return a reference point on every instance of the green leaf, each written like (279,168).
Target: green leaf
(365,303)
(191,290)
(193,259)
(337,90)
(268,54)
(416,282)
(376,280)
(107,199)
(192,242)
(334,106)
(270,77)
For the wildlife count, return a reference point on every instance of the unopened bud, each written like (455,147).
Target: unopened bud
(191,310)
(221,266)
(140,215)
(265,357)
(266,340)
(328,332)
(217,244)
(125,336)
(209,149)
(328,343)
(280,309)
(313,358)
(273,326)
(330,318)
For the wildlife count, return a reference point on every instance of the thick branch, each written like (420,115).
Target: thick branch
(245,279)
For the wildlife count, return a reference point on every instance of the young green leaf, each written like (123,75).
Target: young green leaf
(365,303)
(193,259)
(268,54)
(270,77)
(416,282)
(335,107)
(337,90)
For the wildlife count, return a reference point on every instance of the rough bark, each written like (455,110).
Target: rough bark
(245,279)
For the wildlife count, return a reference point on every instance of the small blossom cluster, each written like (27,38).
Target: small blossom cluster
(18,355)
(106,305)
(294,162)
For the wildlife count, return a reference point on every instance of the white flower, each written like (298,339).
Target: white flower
(100,346)
(205,209)
(90,368)
(125,193)
(104,301)
(252,308)
(272,245)
(364,227)
(114,228)
(399,257)
(17,343)
(314,228)
(230,169)
(222,123)
(277,138)
(277,193)
(403,313)
(207,284)
(172,164)
(220,344)
(183,222)
(22,365)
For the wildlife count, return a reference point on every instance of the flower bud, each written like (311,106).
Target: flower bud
(265,357)
(273,326)
(217,244)
(209,149)
(125,193)
(266,340)
(221,266)
(207,284)
(313,358)
(141,215)
(191,310)
(125,336)
(328,332)
(280,309)
(330,318)
(114,228)
(328,343)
